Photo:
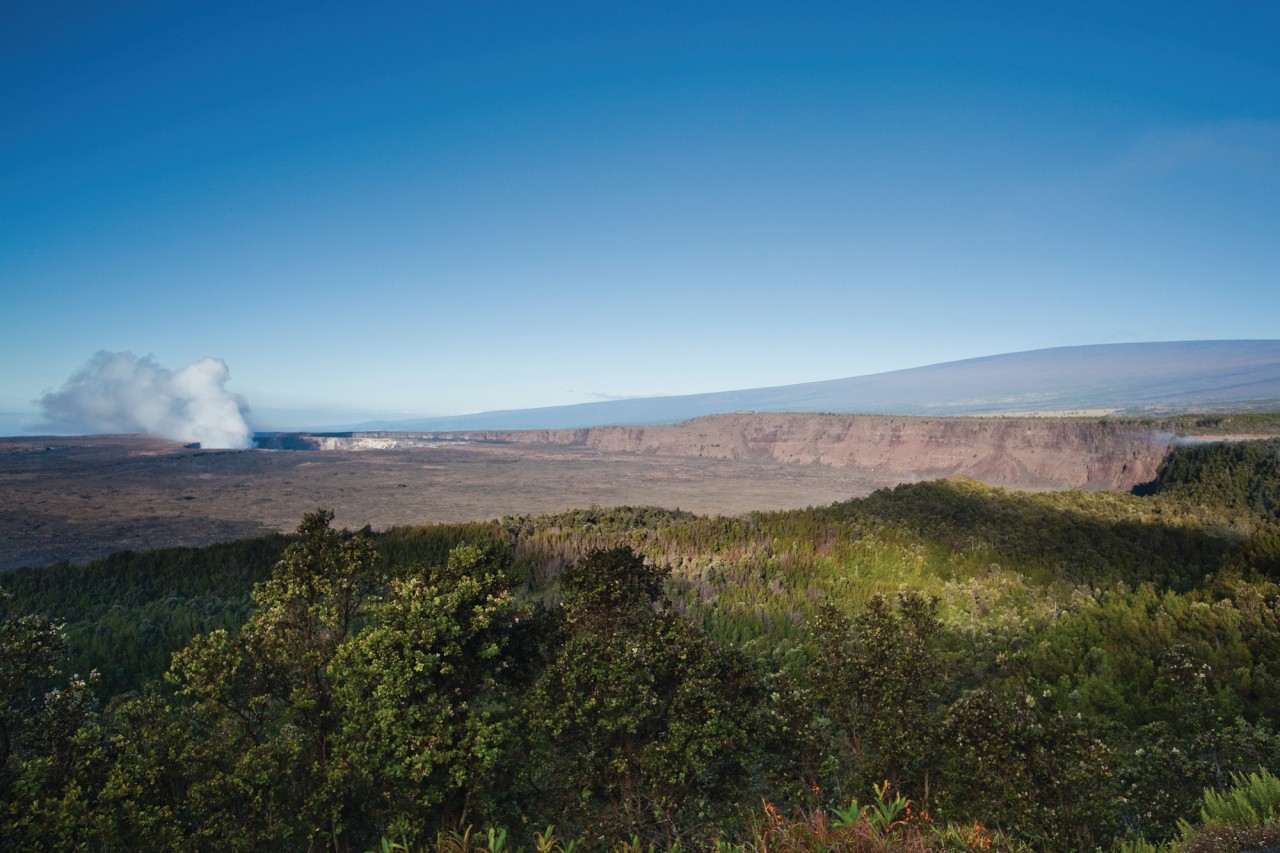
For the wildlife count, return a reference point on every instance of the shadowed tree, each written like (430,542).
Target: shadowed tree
(429,731)
(879,677)
(262,701)
(646,724)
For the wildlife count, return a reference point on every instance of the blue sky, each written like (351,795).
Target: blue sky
(436,208)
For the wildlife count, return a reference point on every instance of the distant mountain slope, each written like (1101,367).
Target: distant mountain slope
(1157,377)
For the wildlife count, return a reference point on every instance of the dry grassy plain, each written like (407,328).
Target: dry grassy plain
(79,498)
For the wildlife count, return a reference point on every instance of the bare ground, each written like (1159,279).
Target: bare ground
(80,498)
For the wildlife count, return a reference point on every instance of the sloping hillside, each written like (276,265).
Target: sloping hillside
(1133,378)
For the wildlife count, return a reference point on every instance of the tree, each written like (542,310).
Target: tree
(646,725)
(1017,762)
(31,648)
(426,695)
(49,750)
(879,678)
(262,702)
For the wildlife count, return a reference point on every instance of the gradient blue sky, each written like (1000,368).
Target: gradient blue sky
(434,208)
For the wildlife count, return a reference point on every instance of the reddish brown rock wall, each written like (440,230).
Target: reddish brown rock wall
(1017,452)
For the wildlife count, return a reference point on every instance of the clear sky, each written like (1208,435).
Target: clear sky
(438,207)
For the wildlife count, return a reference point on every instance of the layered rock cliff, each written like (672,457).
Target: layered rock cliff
(1029,453)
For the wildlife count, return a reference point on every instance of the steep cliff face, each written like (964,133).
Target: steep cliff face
(1029,453)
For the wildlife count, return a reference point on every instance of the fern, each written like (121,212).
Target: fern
(1252,800)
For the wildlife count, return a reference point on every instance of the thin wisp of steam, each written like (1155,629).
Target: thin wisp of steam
(121,393)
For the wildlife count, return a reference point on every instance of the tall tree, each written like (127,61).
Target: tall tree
(426,695)
(646,723)
(879,677)
(262,701)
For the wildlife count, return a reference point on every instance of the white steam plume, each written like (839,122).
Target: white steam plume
(119,392)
